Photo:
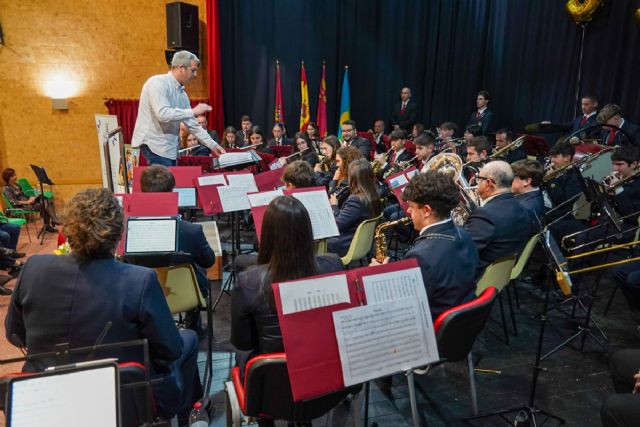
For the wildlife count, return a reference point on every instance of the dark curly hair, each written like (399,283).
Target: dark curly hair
(93,224)
(434,189)
(348,154)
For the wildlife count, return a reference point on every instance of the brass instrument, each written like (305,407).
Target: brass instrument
(507,148)
(398,167)
(612,184)
(607,264)
(375,164)
(381,240)
(551,173)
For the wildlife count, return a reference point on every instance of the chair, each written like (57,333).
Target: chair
(266,393)
(320,247)
(180,287)
(456,331)
(498,275)
(17,221)
(28,189)
(521,263)
(19,213)
(362,241)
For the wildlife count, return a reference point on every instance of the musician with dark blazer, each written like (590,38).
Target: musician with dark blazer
(628,133)
(326,169)
(350,137)
(303,145)
(504,137)
(483,116)
(404,113)
(245,131)
(527,179)
(446,253)
(279,136)
(396,156)
(70,299)
(286,253)
(501,227)
(363,203)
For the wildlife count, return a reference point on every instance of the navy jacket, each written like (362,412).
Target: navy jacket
(348,217)
(561,189)
(627,201)
(403,157)
(632,135)
(448,259)
(500,228)
(575,125)
(404,120)
(534,202)
(363,145)
(284,141)
(485,122)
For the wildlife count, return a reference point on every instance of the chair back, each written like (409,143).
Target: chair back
(362,240)
(457,328)
(135,406)
(180,287)
(26,187)
(268,372)
(497,274)
(524,256)
(320,247)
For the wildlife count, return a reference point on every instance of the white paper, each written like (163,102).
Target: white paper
(120,200)
(230,159)
(210,230)
(379,340)
(313,293)
(411,174)
(263,198)
(186,196)
(233,199)
(245,180)
(211,180)
(151,235)
(397,285)
(398,181)
(323,223)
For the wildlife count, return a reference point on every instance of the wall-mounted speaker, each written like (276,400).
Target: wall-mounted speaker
(183,26)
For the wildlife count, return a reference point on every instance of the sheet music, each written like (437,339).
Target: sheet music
(308,294)
(275,165)
(211,180)
(151,235)
(398,181)
(323,222)
(245,180)
(233,198)
(263,198)
(379,340)
(397,285)
(412,173)
(230,159)
(210,230)
(186,196)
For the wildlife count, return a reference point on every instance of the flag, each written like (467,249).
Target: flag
(278,110)
(321,121)
(305,116)
(345,105)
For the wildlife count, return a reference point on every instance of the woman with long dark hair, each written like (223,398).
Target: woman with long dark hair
(326,169)
(302,144)
(363,203)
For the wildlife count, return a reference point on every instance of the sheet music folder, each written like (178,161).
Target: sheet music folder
(155,235)
(313,357)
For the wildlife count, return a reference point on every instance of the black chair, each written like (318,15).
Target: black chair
(266,393)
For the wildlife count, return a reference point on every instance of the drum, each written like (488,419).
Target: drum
(599,166)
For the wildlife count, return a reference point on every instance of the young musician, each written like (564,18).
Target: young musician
(527,179)
(339,185)
(230,138)
(483,116)
(629,133)
(190,141)
(303,144)
(478,150)
(396,156)
(326,169)
(350,138)
(446,132)
(298,174)
(363,203)
(425,147)
(504,137)
(446,254)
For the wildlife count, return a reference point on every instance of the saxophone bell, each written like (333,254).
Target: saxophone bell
(381,240)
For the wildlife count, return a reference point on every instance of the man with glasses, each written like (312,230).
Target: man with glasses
(163,106)
(350,137)
(501,226)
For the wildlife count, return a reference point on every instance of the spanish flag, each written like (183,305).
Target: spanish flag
(321,121)
(345,104)
(305,116)
(278,110)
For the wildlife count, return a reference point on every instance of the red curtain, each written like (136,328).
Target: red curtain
(216,121)
(127,111)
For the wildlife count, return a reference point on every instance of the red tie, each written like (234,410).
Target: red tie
(392,158)
(403,108)
(612,136)
(584,120)
(478,116)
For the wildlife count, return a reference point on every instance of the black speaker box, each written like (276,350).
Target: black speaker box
(183,26)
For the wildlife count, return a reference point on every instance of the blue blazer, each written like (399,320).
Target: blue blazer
(632,130)
(363,145)
(500,228)
(448,259)
(348,217)
(485,122)
(533,201)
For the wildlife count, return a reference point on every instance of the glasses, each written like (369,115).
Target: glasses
(483,178)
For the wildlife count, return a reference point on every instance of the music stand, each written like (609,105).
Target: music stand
(43,178)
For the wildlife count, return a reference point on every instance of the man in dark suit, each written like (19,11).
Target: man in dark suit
(279,136)
(396,157)
(350,137)
(404,113)
(243,134)
(202,119)
(446,254)
(624,133)
(378,136)
(589,106)
(527,179)
(483,116)
(623,408)
(504,137)
(501,227)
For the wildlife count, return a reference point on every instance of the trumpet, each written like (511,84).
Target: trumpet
(399,167)
(502,152)
(375,164)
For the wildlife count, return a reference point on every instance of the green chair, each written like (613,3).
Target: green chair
(498,275)
(16,221)
(18,213)
(362,241)
(28,189)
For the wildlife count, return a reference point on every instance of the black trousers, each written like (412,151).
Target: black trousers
(622,409)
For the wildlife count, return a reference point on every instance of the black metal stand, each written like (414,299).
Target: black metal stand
(43,178)
(530,409)
(235,251)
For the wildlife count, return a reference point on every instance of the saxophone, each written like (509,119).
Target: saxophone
(381,240)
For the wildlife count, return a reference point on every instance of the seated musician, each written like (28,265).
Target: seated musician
(256,139)
(425,147)
(302,144)
(446,254)
(339,185)
(611,114)
(70,299)
(394,159)
(501,226)
(298,174)
(589,107)
(470,132)
(562,189)
(478,150)
(230,138)
(527,179)
(623,408)
(363,203)
(326,169)
(190,141)
(446,132)
(417,130)
(279,136)
(20,200)
(504,137)
(286,253)
(377,133)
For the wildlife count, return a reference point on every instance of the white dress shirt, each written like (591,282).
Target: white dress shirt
(163,105)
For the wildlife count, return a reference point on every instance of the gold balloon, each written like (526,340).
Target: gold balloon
(637,16)
(582,11)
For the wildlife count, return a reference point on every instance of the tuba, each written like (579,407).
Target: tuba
(381,240)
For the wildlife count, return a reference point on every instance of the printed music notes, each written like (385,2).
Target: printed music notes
(313,293)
